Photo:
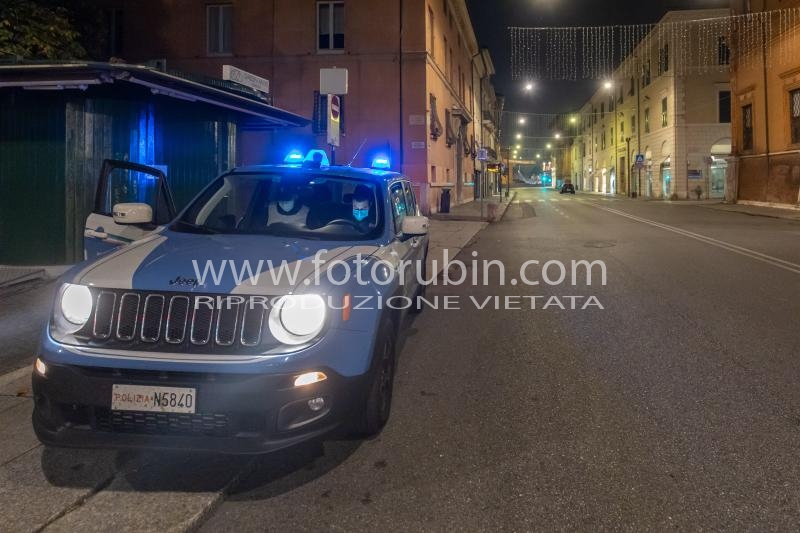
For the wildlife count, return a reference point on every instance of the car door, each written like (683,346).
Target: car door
(402,248)
(419,245)
(124,182)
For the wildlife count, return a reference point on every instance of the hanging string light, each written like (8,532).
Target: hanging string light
(693,46)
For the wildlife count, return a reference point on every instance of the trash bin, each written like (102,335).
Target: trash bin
(444,202)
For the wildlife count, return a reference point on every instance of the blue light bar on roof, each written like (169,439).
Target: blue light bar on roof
(381,162)
(317,158)
(295,156)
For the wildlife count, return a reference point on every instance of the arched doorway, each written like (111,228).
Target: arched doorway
(648,174)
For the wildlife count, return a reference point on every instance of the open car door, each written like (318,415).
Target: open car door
(131,202)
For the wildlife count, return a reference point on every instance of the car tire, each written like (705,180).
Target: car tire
(378,404)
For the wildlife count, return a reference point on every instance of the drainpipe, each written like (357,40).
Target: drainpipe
(766,99)
(402,111)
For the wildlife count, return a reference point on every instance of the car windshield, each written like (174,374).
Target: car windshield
(288,204)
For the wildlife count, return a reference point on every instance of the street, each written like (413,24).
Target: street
(675,405)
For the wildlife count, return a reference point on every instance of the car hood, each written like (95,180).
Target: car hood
(215,264)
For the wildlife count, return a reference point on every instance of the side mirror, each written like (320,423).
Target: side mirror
(415,226)
(133,213)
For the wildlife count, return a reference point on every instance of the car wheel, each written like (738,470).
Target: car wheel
(378,405)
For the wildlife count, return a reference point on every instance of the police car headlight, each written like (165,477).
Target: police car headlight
(297,318)
(76,304)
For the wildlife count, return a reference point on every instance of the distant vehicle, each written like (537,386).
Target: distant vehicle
(568,188)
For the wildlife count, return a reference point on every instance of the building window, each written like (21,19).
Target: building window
(620,96)
(219,20)
(664,120)
(602,109)
(646,73)
(632,90)
(603,140)
(633,124)
(330,19)
(432,32)
(647,120)
(794,115)
(622,131)
(723,51)
(747,127)
(724,107)
(663,60)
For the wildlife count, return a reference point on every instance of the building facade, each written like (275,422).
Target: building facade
(678,119)
(414,94)
(765,82)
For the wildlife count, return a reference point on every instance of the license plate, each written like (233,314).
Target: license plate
(153,399)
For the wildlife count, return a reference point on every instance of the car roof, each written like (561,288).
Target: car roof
(333,171)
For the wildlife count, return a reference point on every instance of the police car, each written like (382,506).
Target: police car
(264,314)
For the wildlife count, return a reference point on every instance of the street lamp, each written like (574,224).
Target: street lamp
(608,85)
(573,120)
(538,156)
(528,87)
(558,135)
(518,147)
(519,136)
(522,120)
(549,146)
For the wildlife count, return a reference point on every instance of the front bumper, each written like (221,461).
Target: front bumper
(236,413)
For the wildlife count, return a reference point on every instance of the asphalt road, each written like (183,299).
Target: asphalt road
(674,406)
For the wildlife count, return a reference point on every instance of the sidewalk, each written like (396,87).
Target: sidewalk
(758,211)
(471,211)
(452,236)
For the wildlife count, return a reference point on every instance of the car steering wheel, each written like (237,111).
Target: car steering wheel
(343,222)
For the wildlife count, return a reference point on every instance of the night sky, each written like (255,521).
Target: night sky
(492,18)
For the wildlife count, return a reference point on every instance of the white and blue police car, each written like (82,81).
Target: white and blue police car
(256,318)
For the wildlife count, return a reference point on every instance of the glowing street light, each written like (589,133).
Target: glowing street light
(519,136)
(528,87)
(549,146)
(573,120)
(522,120)
(518,147)
(608,85)
(538,156)
(558,135)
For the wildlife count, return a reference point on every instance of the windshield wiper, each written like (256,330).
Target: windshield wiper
(198,228)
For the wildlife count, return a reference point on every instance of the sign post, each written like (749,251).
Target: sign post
(639,166)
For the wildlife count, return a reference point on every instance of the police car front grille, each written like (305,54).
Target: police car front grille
(175,322)
(211,424)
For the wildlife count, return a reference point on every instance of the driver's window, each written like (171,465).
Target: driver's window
(399,209)
(129,186)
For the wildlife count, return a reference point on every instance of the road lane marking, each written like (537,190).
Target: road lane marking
(758,256)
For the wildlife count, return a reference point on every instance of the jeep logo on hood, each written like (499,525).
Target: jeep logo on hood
(180,281)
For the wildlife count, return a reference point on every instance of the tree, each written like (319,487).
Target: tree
(38,29)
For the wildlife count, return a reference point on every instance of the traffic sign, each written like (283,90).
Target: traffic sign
(334,117)
(639,160)
(336,107)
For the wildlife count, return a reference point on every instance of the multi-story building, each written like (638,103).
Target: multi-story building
(414,94)
(765,168)
(676,115)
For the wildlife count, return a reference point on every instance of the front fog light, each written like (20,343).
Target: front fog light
(317,404)
(40,367)
(309,378)
(76,304)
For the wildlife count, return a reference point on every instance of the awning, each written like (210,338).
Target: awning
(82,76)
